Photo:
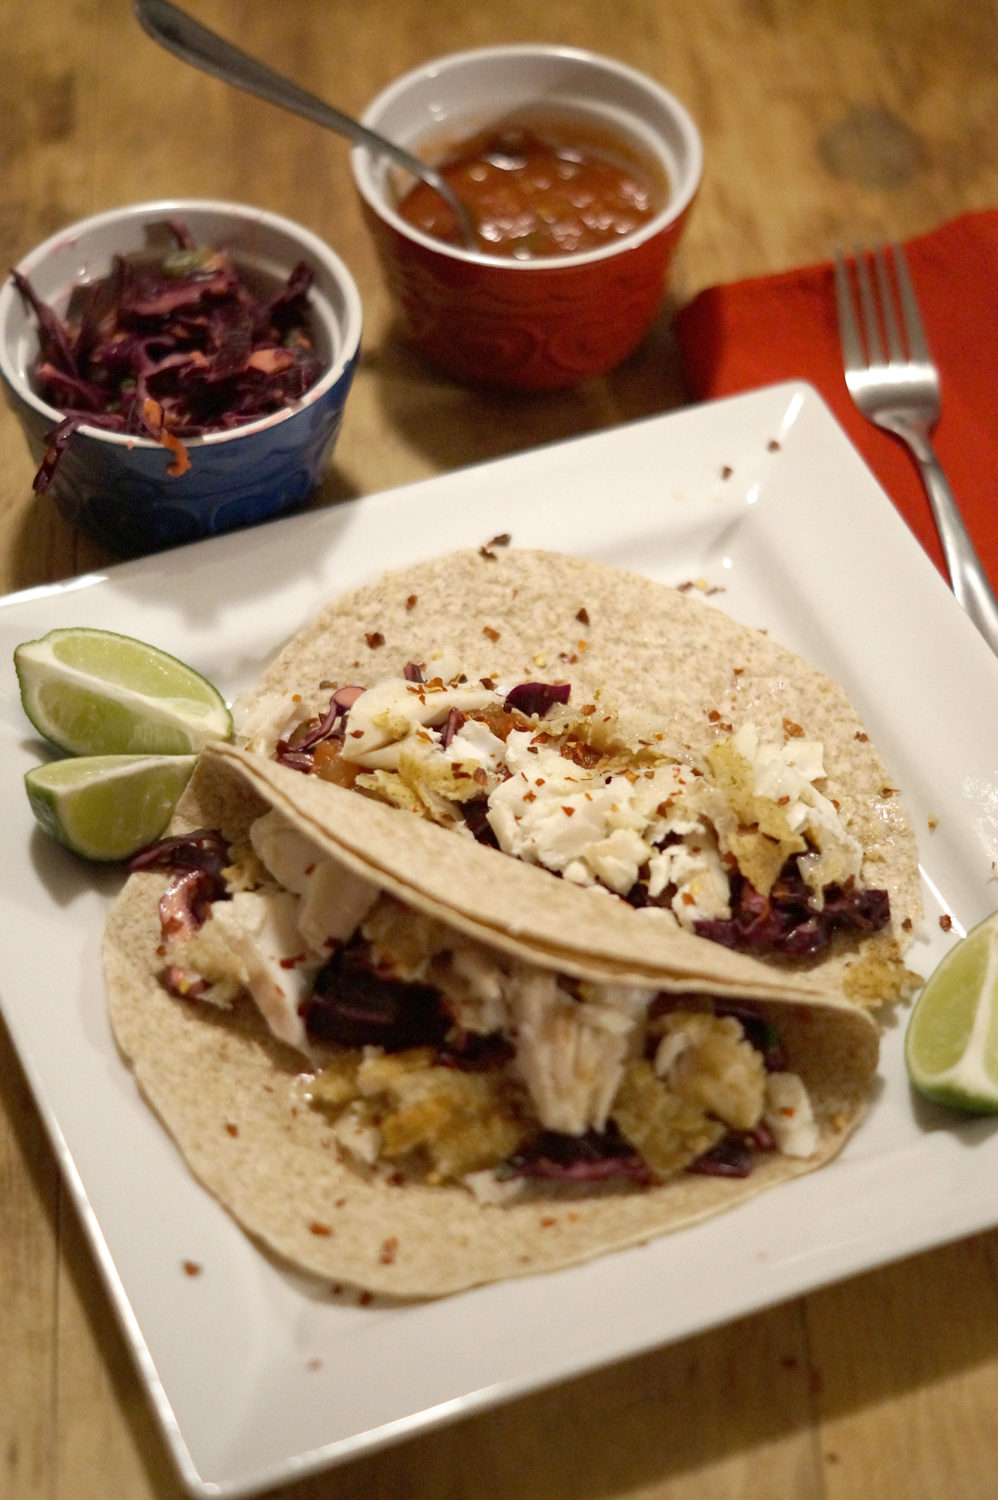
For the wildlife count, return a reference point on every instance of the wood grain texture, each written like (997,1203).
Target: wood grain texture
(824,121)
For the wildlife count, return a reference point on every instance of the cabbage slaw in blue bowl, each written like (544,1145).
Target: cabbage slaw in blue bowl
(125,488)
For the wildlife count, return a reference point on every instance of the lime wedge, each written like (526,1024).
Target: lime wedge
(93,692)
(107,807)
(951,1045)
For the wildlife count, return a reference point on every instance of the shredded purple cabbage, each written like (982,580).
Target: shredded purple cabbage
(596,1156)
(171,346)
(196,862)
(532,698)
(785,922)
(354,1005)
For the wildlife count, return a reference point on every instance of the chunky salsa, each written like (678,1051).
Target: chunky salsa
(538,192)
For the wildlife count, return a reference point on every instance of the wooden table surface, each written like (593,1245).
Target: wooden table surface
(822,120)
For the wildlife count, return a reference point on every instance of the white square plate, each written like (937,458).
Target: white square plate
(258,1378)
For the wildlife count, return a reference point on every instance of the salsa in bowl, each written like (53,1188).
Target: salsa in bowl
(545,308)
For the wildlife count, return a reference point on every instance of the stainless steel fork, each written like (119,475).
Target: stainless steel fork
(891,378)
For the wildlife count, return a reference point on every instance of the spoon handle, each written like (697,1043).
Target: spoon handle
(186,38)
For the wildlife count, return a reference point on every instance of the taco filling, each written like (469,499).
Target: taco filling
(441,1058)
(735,840)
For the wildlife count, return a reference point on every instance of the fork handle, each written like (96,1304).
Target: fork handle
(970,584)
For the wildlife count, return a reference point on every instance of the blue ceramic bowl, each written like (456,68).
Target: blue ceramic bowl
(116,485)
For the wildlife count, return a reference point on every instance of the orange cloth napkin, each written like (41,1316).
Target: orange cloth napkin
(759,332)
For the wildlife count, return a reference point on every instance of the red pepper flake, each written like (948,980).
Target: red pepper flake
(583,616)
(490,632)
(792,730)
(389,1250)
(864,739)
(412,601)
(231,1129)
(727,471)
(713,715)
(502,540)
(191,1268)
(907,924)
(530,796)
(548,1220)
(945,922)
(323,1231)
(568,811)
(888,791)
(293,961)
(365,1299)
(773,446)
(374,638)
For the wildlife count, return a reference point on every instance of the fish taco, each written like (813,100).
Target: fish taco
(620,735)
(414,1085)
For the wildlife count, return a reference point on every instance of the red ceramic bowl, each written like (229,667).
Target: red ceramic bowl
(542,323)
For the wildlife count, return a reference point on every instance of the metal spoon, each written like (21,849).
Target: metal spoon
(180,34)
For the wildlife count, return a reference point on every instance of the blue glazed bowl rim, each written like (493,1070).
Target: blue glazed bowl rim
(310,244)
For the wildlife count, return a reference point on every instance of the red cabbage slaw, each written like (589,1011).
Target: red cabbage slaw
(171,345)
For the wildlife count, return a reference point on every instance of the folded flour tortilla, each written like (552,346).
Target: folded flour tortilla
(232,1095)
(616,636)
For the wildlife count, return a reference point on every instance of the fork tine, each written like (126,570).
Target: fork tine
(852,347)
(895,347)
(914,332)
(867,302)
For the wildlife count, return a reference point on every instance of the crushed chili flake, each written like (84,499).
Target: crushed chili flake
(322,1230)
(792,730)
(374,638)
(945,922)
(191,1268)
(726,471)
(231,1129)
(773,446)
(412,601)
(491,632)
(389,1250)
(583,616)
